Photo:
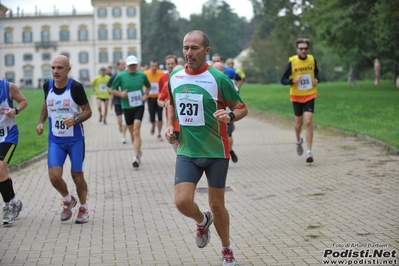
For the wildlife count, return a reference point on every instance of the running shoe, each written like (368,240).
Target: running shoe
(203,232)
(159,137)
(66,213)
(299,148)
(309,157)
(16,209)
(233,156)
(8,217)
(136,162)
(228,258)
(83,216)
(123,140)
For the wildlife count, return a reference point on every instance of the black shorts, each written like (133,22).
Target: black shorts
(118,109)
(104,100)
(7,151)
(133,114)
(299,108)
(154,108)
(191,170)
(230,129)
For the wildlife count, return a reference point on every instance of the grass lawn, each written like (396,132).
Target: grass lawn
(365,108)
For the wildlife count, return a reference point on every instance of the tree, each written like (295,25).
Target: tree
(358,31)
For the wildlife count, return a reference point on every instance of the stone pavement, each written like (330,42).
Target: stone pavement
(282,210)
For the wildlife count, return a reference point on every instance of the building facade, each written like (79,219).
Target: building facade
(29,42)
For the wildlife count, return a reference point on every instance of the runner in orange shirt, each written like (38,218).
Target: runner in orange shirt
(153,75)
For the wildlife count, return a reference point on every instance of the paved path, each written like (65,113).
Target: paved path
(282,210)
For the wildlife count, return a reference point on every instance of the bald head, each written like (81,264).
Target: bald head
(62,59)
(60,69)
(219,66)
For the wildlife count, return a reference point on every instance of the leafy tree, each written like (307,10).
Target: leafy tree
(160,31)
(358,31)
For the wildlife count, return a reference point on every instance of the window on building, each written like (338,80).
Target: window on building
(83,35)
(116,12)
(117,56)
(102,34)
(102,12)
(84,75)
(66,54)
(28,77)
(131,33)
(10,77)
(64,36)
(7,37)
(83,57)
(9,60)
(46,56)
(117,34)
(132,52)
(45,35)
(28,57)
(27,36)
(131,11)
(103,57)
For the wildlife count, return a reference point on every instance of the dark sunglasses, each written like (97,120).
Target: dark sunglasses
(303,48)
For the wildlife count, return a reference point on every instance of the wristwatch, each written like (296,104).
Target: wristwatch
(232,116)
(76,118)
(16,110)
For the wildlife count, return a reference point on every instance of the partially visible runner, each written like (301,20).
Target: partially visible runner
(217,61)
(116,101)
(66,107)
(239,71)
(9,92)
(302,74)
(199,97)
(163,101)
(99,85)
(181,61)
(131,83)
(153,75)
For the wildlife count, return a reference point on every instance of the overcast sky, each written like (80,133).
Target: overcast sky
(185,7)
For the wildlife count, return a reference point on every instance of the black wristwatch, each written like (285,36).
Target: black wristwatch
(16,110)
(232,116)
(76,118)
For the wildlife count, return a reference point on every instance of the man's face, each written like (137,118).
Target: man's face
(154,66)
(194,51)
(122,65)
(132,68)
(216,58)
(60,69)
(302,50)
(170,63)
(230,63)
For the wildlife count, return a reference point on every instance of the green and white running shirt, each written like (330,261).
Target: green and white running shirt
(195,98)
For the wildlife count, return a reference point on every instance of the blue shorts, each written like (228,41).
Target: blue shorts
(57,153)
(191,170)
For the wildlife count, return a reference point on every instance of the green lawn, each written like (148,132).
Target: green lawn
(364,108)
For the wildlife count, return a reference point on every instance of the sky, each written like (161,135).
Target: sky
(185,7)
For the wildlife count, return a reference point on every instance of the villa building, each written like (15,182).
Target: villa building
(91,40)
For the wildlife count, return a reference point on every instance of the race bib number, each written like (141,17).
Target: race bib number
(190,109)
(306,83)
(3,134)
(59,129)
(154,88)
(135,98)
(103,87)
